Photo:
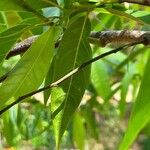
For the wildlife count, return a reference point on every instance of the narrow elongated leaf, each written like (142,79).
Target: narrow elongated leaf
(8,38)
(124,87)
(19,5)
(100,79)
(78,131)
(73,51)
(49,76)
(9,126)
(142,15)
(141,112)
(88,114)
(30,71)
(48,79)
(138,16)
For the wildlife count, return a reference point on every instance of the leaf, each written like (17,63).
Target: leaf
(141,112)
(11,18)
(8,38)
(130,15)
(73,51)
(90,121)
(124,87)
(78,131)
(68,3)
(9,126)
(30,71)
(49,75)
(19,5)
(29,18)
(142,15)
(100,79)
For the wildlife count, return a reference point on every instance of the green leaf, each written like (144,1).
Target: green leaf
(49,75)
(140,17)
(11,18)
(78,131)
(124,87)
(68,3)
(141,112)
(100,79)
(9,126)
(73,51)
(30,71)
(19,5)
(8,38)
(48,79)
(91,123)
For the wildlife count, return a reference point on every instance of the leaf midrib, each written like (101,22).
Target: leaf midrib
(31,68)
(67,94)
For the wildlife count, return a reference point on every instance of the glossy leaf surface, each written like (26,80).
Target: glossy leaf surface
(100,79)
(78,135)
(73,51)
(30,71)
(142,17)
(141,112)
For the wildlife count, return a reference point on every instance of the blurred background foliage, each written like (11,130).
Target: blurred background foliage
(101,120)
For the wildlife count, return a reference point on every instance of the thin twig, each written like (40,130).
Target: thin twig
(73,72)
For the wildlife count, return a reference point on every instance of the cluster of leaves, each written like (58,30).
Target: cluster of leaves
(43,63)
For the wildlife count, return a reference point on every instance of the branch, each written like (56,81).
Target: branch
(21,47)
(101,38)
(140,2)
(98,38)
(73,72)
(121,37)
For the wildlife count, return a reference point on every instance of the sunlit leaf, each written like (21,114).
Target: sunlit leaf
(141,112)
(142,15)
(100,79)
(30,71)
(11,18)
(138,16)
(78,131)
(9,126)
